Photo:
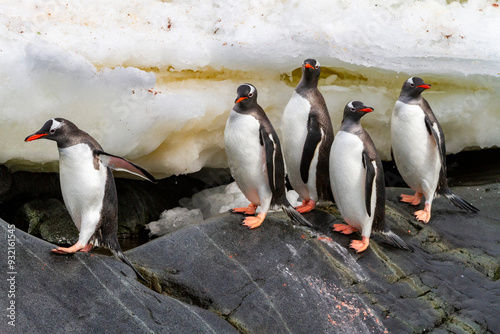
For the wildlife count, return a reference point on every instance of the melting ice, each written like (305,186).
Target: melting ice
(154,81)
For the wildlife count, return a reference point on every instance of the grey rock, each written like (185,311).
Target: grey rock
(89,293)
(282,278)
(279,278)
(49,220)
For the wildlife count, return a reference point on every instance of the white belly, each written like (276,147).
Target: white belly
(347,177)
(246,158)
(293,135)
(82,187)
(415,151)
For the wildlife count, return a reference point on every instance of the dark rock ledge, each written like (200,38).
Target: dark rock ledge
(280,278)
(89,293)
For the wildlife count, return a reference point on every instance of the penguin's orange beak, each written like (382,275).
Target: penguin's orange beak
(367,109)
(424,86)
(35,136)
(308,66)
(240,99)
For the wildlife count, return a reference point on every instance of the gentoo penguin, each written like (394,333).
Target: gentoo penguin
(254,155)
(419,149)
(88,187)
(307,136)
(357,181)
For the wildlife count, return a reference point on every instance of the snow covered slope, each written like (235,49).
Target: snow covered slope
(154,81)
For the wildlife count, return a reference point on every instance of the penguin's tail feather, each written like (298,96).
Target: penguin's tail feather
(293,214)
(459,202)
(117,251)
(393,239)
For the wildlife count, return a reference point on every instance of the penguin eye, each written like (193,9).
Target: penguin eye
(317,66)
(412,85)
(353,109)
(52,130)
(250,95)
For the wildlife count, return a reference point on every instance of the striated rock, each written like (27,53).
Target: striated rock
(282,278)
(279,278)
(87,293)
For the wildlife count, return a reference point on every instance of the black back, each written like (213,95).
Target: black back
(319,129)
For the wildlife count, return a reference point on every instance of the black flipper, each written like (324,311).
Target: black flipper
(393,239)
(312,141)
(443,184)
(269,143)
(370,177)
(121,164)
(439,143)
(293,214)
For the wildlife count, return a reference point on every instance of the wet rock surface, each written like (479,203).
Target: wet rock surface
(280,278)
(90,293)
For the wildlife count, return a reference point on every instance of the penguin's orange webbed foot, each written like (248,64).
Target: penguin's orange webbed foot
(254,222)
(343,228)
(424,215)
(249,210)
(360,245)
(68,250)
(306,206)
(412,200)
(87,248)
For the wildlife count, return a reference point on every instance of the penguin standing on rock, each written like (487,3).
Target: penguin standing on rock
(357,180)
(419,149)
(88,187)
(254,155)
(307,133)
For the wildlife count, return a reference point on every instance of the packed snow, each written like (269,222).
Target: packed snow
(173,220)
(204,205)
(154,81)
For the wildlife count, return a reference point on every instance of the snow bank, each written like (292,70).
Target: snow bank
(154,81)
(221,199)
(173,220)
(203,205)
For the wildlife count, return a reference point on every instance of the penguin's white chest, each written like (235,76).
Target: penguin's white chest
(348,177)
(293,135)
(82,185)
(415,151)
(246,157)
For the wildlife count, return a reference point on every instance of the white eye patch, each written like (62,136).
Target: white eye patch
(252,89)
(55,125)
(410,80)
(350,105)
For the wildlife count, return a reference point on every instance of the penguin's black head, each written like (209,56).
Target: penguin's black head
(312,66)
(354,110)
(311,69)
(56,129)
(413,87)
(247,94)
